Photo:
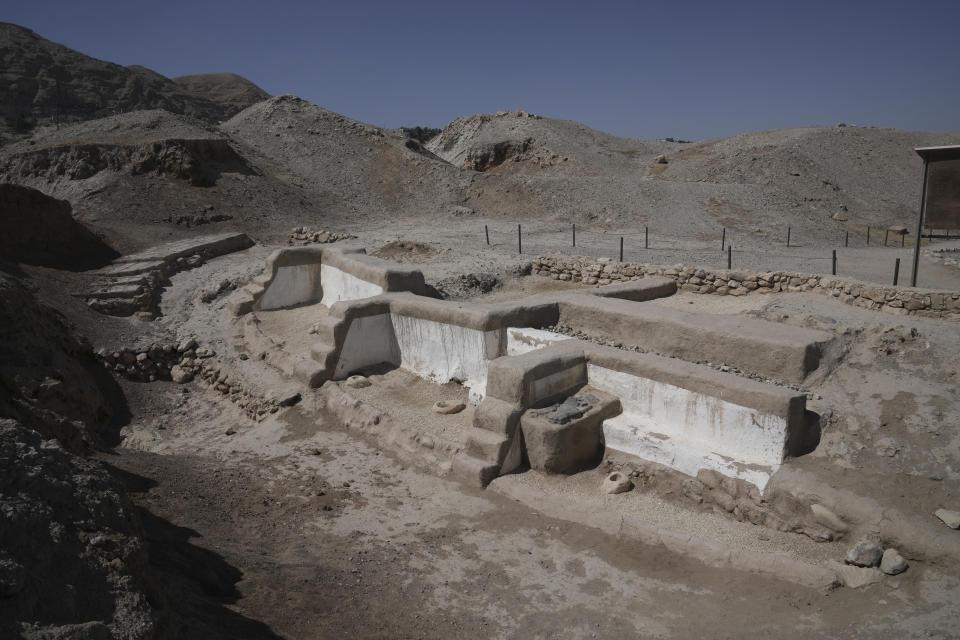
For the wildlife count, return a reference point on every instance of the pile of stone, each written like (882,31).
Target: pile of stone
(899,300)
(303,236)
(185,362)
(212,293)
(218,379)
(950,256)
(150,363)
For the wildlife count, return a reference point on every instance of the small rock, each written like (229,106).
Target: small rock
(230,431)
(443,406)
(661,159)
(893,563)
(710,478)
(617,482)
(187,345)
(289,400)
(866,553)
(357,382)
(180,375)
(949,518)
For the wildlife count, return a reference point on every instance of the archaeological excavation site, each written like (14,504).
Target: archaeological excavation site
(267,371)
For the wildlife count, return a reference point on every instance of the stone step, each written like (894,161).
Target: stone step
(487,445)
(473,471)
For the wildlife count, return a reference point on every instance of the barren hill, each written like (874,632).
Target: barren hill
(45,81)
(228,89)
(756,183)
(374,172)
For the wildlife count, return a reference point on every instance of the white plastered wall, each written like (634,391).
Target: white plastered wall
(689,431)
(436,351)
(339,285)
(441,352)
(292,286)
(523,339)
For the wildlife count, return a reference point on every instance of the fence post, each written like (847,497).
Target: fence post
(729,256)
(574,234)
(621,248)
(486,231)
(902,238)
(519,242)
(846,240)
(886,236)
(788,236)
(896,271)
(833,269)
(723,239)
(646,237)
(868,235)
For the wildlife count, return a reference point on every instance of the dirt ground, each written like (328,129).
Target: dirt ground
(299,529)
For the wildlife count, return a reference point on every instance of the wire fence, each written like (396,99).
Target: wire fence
(871,254)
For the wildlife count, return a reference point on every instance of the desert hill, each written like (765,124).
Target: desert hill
(235,92)
(810,178)
(42,81)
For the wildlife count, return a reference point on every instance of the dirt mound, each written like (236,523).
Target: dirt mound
(408,251)
(45,81)
(38,229)
(372,171)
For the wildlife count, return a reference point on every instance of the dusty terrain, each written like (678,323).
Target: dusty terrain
(136,509)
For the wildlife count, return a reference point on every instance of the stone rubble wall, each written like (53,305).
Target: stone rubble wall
(186,362)
(897,300)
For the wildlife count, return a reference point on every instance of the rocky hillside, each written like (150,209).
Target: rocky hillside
(42,81)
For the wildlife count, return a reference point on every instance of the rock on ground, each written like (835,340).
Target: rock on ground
(893,563)
(866,553)
(949,518)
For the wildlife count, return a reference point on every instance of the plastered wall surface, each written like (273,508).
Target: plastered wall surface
(693,430)
(524,339)
(293,285)
(370,340)
(339,285)
(442,352)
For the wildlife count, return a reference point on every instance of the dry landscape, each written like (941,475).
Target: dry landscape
(236,399)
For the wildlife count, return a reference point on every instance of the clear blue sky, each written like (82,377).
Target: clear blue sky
(688,69)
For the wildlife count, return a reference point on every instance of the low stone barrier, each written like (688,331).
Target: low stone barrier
(897,300)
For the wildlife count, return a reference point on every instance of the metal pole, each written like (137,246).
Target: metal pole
(723,239)
(788,236)
(646,237)
(833,269)
(902,238)
(846,240)
(886,236)
(574,234)
(868,234)
(487,232)
(519,242)
(621,248)
(923,205)
(729,256)
(896,271)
